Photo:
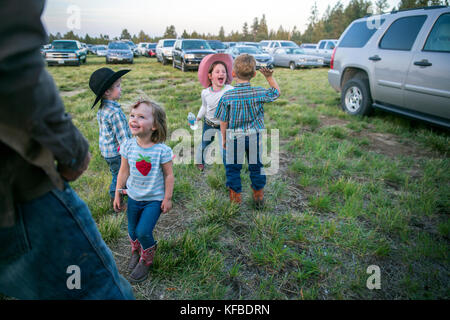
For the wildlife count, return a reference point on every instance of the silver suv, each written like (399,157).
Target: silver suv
(164,50)
(398,62)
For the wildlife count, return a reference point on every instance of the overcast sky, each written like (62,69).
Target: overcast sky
(204,16)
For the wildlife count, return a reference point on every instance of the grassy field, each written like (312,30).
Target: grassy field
(350,193)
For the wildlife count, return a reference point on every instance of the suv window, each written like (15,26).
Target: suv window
(439,38)
(402,34)
(330,45)
(322,45)
(65,45)
(358,35)
(195,44)
(169,43)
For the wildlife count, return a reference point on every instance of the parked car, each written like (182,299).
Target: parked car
(164,50)
(229,44)
(295,58)
(263,44)
(325,49)
(217,46)
(250,43)
(142,48)
(188,53)
(65,52)
(91,48)
(101,50)
(150,50)
(398,63)
(262,58)
(119,51)
(280,44)
(44,49)
(309,48)
(132,46)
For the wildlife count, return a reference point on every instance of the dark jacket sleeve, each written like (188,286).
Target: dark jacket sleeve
(31,100)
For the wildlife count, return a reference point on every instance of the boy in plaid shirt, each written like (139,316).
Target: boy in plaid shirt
(112,122)
(241,115)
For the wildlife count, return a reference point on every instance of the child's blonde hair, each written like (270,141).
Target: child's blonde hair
(159,117)
(244,66)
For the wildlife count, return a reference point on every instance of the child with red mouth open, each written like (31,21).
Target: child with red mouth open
(214,74)
(146,170)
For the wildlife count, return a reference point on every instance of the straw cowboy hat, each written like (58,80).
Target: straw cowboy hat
(102,79)
(208,61)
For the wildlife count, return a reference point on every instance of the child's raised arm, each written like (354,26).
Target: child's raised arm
(122,177)
(268,74)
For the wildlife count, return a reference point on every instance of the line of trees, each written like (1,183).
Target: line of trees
(330,26)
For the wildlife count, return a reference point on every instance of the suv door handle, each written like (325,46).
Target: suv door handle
(423,63)
(375,58)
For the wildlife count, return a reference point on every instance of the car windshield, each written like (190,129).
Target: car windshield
(196,44)
(65,45)
(288,44)
(118,46)
(169,43)
(101,48)
(152,46)
(216,45)
(250,50)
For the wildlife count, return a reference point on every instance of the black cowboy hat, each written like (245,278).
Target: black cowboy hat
(102,79)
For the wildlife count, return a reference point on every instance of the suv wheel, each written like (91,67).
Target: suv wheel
(292,66)
(356,98)
(183,66)
(164,61)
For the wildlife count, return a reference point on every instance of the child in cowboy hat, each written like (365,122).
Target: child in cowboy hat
(214,73)
(112,122)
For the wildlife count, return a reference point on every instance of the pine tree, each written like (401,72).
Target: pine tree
(125,34)
(255,27)
(221,34)
(170,32)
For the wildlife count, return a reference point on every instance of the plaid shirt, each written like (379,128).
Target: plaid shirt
(243,106)
(113,128)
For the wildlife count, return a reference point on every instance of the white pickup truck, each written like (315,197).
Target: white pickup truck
(325,49)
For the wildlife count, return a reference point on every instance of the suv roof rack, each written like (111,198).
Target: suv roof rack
(419,8)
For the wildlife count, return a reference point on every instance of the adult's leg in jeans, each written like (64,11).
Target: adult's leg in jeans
(147,222)
(114,167)
(58,241)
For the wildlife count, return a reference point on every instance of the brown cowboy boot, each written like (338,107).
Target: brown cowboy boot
(135,249)
(258,198)
(140,272)
(235,197)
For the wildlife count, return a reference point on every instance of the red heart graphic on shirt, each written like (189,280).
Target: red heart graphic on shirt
(143,165)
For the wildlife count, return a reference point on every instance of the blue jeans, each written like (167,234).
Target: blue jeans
(52,234)
(114,166)
(142,218)
(233,158)
(208,135)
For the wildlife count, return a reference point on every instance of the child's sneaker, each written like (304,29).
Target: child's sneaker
(258,198)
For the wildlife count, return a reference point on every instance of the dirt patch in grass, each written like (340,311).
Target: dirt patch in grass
(391,146)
